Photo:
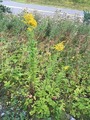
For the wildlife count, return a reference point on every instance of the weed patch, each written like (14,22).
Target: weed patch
(44,70)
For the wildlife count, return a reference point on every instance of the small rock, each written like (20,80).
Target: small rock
(72,118)
(2,114)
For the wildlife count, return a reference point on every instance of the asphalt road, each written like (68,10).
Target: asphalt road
(46,10)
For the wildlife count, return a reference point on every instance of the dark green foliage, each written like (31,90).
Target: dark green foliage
(4,9)
(86,17)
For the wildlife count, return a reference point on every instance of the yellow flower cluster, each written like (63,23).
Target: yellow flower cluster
(29,20)
(66,67)
(59,46)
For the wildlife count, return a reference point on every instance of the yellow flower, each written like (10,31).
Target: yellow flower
(28,16)
(66,67)
(33,23)
(29,20)
(59,46)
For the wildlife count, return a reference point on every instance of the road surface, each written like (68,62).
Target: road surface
(46,10)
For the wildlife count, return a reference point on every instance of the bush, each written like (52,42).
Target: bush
(86,17)
(4,9)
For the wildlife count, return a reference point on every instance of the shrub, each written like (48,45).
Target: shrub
(4,9)
(86,17)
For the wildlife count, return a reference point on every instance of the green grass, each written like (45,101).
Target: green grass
(81,5)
